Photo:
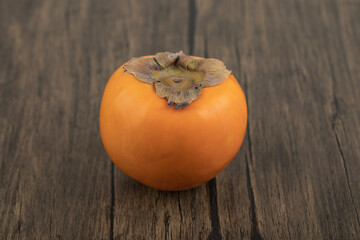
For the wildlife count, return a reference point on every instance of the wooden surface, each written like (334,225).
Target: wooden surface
(295,177)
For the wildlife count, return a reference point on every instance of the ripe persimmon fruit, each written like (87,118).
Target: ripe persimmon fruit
(172,121)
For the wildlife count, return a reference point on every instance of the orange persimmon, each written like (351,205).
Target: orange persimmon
(172,121)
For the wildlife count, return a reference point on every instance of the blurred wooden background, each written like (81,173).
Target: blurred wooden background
(295,177)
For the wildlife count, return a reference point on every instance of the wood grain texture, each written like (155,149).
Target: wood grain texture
(295,177)
(54,172)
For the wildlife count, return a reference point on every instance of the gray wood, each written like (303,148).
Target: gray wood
(54,174)
(295,177)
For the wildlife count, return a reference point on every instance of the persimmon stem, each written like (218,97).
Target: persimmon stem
(178,77)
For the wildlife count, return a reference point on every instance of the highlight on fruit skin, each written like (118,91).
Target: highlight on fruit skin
(181,146)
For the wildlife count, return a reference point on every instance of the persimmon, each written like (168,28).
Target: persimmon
(172,121)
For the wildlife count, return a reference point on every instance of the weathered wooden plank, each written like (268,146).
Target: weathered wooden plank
(297,172)
(55,180)
(141,212)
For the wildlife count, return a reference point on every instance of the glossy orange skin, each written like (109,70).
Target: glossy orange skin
(170,149)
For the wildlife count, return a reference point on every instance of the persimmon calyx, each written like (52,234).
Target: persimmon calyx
(178,77)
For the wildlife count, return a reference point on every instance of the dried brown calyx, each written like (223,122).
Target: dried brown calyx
(178,77)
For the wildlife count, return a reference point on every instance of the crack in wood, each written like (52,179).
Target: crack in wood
(255,234)
(179,206)
(334,118)
(192,16)
(112,204)
(166,224)
(214,211)
(19,222)
(346,173)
